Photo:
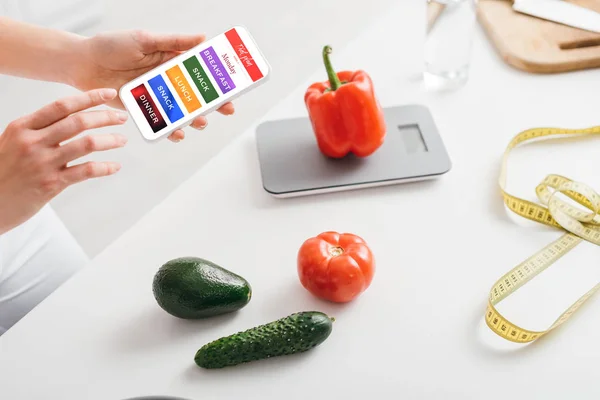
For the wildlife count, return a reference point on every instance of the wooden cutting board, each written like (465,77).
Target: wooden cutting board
(535,45)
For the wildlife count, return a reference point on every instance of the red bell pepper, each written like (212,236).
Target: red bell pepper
(345,114)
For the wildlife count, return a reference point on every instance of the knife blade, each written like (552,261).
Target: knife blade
(561,12)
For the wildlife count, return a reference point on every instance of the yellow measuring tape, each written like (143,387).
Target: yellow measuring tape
(578,223)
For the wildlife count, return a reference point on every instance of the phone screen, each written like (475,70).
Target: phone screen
(194,83)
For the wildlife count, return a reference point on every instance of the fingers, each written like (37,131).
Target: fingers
(62,108)
(82,121)
(226,109)
(151,43)
(199,123)
(177,136)
(89,144)
(89,170)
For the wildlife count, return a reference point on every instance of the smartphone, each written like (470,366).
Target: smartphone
(194,83)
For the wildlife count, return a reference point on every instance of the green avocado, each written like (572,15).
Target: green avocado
(194,288)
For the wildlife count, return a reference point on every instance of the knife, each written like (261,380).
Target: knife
(561,12)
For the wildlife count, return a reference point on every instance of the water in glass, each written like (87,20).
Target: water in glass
(448,41)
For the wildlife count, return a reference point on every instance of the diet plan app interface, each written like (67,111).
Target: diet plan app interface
(223,68)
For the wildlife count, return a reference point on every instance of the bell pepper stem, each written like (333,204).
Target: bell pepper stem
(334,81)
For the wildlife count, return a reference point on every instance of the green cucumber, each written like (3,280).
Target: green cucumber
(296,333)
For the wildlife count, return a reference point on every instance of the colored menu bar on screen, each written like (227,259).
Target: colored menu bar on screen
(242,52)
(183,88)
(165,98)
(200,79)
(215,66)
(148,107)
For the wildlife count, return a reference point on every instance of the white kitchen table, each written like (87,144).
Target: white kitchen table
(418,331)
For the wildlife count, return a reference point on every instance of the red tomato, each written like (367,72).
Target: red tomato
(335,267)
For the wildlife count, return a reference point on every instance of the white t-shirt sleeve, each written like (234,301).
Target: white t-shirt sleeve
(35,259)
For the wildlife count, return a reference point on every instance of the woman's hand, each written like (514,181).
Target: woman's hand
(34,158)
(113,59)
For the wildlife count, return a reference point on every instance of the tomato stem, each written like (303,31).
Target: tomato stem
(335,251)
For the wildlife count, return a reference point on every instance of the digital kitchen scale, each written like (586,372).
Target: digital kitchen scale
(291,164)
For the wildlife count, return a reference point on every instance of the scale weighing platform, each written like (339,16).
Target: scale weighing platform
(291,164)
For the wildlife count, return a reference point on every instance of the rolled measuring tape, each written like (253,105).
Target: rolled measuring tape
(578,224)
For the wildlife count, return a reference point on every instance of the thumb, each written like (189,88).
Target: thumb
(173,42)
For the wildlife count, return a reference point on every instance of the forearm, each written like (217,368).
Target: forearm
(35,52)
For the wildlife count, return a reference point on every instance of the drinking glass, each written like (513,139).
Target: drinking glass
(448,41)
